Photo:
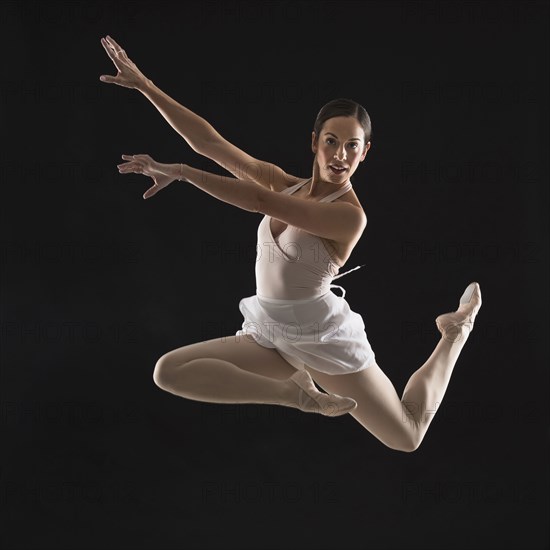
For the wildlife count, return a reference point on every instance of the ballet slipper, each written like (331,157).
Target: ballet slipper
(312,400)
(451,325)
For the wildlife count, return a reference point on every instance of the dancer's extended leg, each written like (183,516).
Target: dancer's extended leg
(401,423)
(426,387)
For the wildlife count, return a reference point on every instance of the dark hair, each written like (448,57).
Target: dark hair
(344,107)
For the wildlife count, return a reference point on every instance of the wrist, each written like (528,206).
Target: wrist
(145,85)
(178,172)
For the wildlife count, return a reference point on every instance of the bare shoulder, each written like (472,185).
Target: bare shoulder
(341,250)
(351,198)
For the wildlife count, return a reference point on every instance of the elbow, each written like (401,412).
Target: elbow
(359,222)
(203,147)
(363,223)
(258,198)
(206,143)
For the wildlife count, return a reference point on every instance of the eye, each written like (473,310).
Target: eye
(355,145)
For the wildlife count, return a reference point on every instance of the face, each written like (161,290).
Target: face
(340,143)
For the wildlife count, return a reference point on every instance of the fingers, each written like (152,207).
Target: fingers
(113,45)
(130,167)
(118,50)
(137,157)
(108,49)
(112,41)
(134,164)
(111,53)
(150,192)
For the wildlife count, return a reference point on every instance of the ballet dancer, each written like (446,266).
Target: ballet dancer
(296,332)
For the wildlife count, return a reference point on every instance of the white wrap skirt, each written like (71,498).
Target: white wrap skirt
(322,332)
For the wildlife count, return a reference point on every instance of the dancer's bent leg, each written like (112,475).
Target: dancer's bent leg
(239,370)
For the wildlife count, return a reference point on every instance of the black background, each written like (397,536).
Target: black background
(98,283)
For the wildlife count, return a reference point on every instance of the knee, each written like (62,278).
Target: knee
(159,375)
(404,448)
(409,448)
(410,444)
(406,443)
(163,373)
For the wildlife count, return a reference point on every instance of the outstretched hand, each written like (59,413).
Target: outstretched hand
(129,76)
(144,164)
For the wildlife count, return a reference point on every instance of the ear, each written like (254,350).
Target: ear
(367,147)
(313,142)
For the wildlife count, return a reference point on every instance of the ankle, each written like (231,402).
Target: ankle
(290,393)
(457,334)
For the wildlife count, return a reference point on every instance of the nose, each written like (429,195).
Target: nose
(340,153)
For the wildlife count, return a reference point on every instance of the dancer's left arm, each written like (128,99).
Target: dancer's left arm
(238,192)
(340,221)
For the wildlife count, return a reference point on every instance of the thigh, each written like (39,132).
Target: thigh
(242,351)
(379,408)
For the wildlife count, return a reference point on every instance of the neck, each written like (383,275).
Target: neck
(320,186)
